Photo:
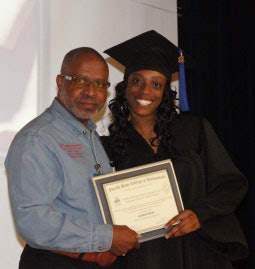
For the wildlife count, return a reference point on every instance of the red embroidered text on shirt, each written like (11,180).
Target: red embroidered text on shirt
(73,150)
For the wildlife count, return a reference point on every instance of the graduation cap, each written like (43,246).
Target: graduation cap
(152,51)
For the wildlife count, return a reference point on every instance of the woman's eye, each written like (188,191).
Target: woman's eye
(156,85)
(137,81)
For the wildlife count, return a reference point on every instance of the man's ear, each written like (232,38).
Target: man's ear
(59,81)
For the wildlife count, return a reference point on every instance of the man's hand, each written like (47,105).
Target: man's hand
(184,223)
(124,239)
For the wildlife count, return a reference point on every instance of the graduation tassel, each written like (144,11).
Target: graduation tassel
(184,106)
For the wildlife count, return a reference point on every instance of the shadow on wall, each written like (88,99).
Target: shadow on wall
(18,53)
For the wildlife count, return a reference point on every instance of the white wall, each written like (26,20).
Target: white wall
(34,36)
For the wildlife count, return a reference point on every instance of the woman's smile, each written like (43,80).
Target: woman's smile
(144,102)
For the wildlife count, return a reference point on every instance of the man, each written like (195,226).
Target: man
(49,166)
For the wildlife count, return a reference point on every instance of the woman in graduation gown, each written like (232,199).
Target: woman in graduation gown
(146,128)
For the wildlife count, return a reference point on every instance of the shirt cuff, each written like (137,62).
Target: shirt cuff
(102,237)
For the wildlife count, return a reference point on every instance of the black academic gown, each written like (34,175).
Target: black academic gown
(210,185)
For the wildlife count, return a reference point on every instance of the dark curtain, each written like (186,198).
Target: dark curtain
(220,37)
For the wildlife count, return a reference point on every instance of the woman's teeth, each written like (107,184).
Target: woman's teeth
(144,102)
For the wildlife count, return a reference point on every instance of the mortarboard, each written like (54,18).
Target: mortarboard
(152,51)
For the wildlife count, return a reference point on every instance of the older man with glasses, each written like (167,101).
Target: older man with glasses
(50,164)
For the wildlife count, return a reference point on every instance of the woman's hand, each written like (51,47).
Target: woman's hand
(184,223)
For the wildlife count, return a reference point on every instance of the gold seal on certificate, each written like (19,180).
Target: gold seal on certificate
(144,198)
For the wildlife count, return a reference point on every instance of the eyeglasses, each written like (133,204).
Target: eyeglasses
(82,82)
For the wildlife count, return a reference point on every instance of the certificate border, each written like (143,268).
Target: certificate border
(99,181)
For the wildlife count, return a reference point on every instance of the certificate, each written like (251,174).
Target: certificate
(144,198)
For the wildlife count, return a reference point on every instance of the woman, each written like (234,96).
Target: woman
(146,128)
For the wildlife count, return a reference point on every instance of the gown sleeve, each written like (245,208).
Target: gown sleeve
(226,187)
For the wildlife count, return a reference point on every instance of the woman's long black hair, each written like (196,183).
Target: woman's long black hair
(120,114)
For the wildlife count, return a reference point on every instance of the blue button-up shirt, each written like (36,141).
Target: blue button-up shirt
(49,167)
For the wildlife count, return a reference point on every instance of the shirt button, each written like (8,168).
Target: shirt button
(100,248)
(84,131)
